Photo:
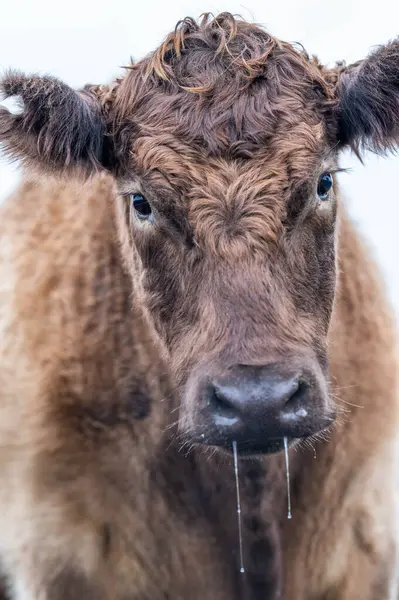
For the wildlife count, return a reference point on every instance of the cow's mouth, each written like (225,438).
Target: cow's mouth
(261,439)
(270,446)
(250,448)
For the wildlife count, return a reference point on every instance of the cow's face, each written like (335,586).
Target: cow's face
(224,144)
(237,271)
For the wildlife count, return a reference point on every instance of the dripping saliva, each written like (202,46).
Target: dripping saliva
(287,469)
(235,453)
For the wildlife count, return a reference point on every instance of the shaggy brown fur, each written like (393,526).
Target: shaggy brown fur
(95,495)
(93,500)
(226,132)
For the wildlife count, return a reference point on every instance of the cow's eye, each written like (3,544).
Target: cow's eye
(324,186)
(141,206)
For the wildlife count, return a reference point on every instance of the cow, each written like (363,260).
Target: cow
(266,317)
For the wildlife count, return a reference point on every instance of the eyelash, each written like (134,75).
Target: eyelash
(339,170)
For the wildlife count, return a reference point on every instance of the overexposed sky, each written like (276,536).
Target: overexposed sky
(87,41)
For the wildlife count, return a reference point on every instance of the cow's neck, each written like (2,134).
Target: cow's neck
(210,492)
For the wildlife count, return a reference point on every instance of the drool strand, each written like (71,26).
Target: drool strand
(287,469)
(235,453)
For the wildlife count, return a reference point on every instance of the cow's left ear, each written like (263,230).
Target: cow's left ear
(56,128)
(368,101)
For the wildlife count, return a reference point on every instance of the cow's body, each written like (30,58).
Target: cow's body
(132,517)
(363,373)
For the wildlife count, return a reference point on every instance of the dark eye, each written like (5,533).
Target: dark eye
(324,186)
(142,208)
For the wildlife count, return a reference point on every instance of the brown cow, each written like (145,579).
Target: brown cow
(224,144)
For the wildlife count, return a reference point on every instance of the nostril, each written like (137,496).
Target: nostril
(297,399)
(220,401)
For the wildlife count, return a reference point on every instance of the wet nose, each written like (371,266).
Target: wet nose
(259,402)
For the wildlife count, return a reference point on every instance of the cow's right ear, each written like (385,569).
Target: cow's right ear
(56,129)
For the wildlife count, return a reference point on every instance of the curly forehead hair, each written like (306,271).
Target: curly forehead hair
(219,86)
(224,84)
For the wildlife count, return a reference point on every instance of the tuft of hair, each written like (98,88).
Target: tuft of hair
(369,101)
(197,55)
(57,126)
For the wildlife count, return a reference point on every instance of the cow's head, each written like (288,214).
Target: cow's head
(224,143)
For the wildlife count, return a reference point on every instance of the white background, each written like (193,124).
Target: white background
(87,41)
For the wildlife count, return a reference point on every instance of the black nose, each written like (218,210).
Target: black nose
(256,404)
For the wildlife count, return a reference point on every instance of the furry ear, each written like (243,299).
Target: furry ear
(57,128)
(368,97)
